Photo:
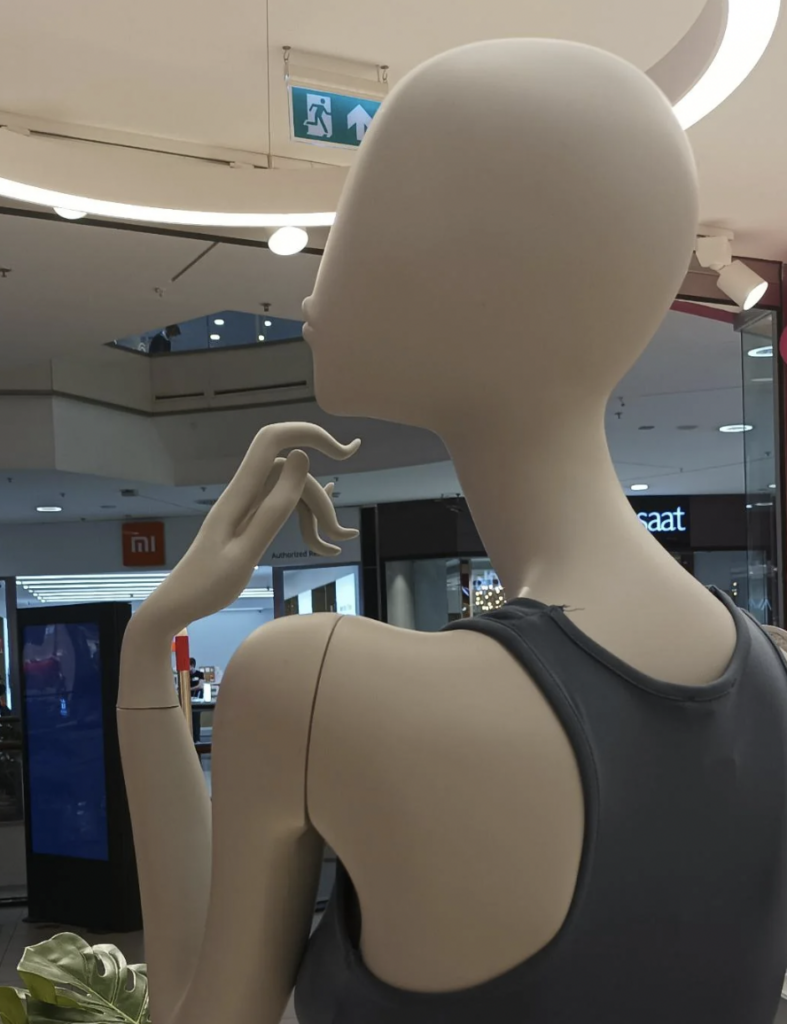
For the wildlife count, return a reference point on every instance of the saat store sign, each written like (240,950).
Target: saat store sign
(673,521)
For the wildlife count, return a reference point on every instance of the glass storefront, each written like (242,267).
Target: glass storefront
(761,464)
(335,588)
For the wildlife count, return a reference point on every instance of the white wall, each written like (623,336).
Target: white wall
(213,641)
(47,549)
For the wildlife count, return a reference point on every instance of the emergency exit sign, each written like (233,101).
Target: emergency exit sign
(330,118)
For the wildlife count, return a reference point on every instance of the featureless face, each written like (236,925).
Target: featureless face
(519,218)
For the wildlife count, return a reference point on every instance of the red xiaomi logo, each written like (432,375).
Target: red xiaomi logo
(143,544)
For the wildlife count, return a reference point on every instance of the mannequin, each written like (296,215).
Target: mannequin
(517,224)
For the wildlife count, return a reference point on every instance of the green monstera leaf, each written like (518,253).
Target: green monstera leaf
(70,981)
(12,1006)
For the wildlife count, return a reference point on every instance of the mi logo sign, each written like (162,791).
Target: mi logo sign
(143,545)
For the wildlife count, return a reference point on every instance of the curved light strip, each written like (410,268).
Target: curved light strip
(160,215)
(750,26)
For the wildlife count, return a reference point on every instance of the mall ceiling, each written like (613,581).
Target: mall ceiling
(165,77)
(689,377)
(184,81)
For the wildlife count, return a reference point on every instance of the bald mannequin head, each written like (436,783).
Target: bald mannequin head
(519,219)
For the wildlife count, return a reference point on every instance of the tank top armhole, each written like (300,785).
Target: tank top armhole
(549,685)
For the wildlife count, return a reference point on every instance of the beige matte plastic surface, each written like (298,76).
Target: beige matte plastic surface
(497,303)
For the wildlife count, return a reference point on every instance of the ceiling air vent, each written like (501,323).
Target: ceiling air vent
(129,492)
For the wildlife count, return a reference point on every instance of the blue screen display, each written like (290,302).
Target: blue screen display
(65,734)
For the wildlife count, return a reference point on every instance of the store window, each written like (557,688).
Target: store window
(428,593)
(335,588)
(758,332)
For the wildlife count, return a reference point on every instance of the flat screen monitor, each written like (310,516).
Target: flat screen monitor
(67,801)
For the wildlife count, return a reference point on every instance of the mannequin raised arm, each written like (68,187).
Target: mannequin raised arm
(169,804)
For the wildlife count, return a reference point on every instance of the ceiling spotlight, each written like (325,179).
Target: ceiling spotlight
(736,280)
(269,323)
(288,241)
(736,428)
(215,337)
(766,352)
(640,487)
(49,508)
(69,214)
(772,487)
(219,323)
(260,337)
(742,285)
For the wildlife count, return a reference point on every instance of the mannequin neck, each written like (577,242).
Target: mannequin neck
(549,506)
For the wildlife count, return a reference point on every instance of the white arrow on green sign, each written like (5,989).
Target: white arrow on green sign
(330,118)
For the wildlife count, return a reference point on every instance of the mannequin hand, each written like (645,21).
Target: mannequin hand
(245,520)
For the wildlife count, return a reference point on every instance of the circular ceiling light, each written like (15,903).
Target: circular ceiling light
(49,508)
(736,428)
(219,323)
(287,241)
(260,337)
(268,323)
(640,487)
(69,214)
(215,337)
(749,29)
(766,352)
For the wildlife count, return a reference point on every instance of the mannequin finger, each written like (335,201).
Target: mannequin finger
(276,509)
(242,493)
(329,489)
(319,501)
(310,534)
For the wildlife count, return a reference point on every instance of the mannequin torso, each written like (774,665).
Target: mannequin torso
(427,761)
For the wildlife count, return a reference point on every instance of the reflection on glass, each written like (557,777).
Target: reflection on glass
(63,705)
(333,589)
(428,593)
(758,341)
(728,571)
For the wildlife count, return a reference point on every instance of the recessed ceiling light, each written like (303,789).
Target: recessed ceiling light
(69,214)
(219,323)
(772,487)
(762,380)
(269,323)
(260,337)
(287,241)
(764,352)
(640,487)
(215,337)
(49,508)
(736,428)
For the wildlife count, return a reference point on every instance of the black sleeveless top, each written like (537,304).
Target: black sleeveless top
(680,910)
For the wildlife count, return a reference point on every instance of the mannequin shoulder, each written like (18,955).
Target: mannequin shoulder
(277,668)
